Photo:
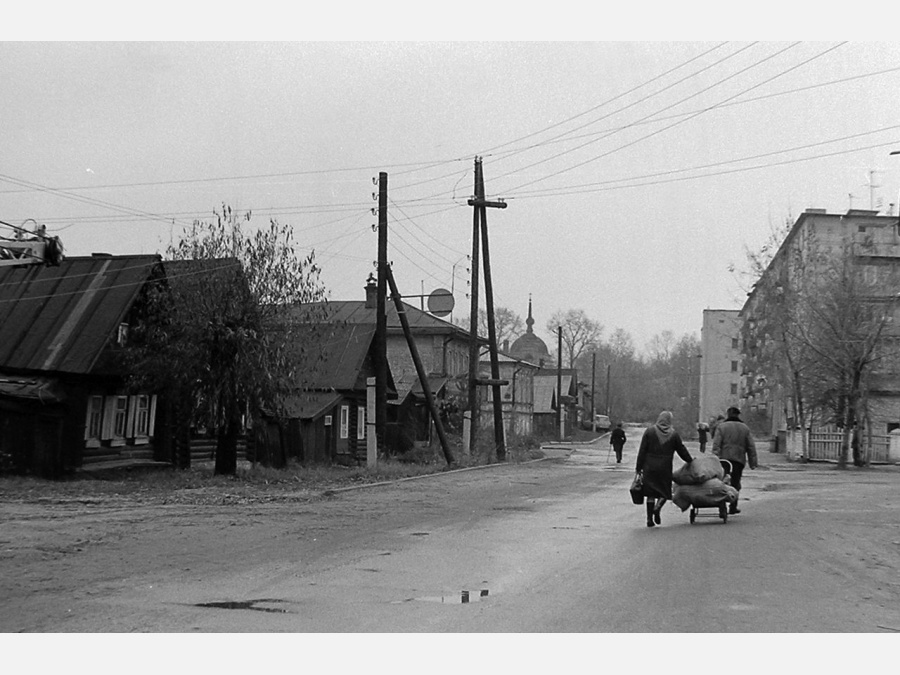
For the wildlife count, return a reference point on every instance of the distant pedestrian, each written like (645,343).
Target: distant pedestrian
(734,442)
(659,444)
(702,432)
(617,440)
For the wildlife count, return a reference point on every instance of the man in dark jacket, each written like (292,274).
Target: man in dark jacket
(617,440)
(734,442)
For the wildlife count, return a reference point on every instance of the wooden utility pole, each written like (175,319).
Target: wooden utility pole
(559,394)
(593,389)
(420,369)
(479,222)
(607,389)
(381,366)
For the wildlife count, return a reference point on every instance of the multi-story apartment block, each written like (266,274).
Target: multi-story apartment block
(818,243)
(720,365)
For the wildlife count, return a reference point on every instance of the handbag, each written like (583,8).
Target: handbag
(637,489)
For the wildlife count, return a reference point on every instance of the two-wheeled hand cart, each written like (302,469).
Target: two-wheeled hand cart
(722,506)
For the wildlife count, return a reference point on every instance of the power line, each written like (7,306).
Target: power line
(650,135)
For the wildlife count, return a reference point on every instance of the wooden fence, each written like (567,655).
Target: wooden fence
(825,444)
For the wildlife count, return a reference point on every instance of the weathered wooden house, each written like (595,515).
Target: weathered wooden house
(63,401)
(443,348)
(324,420)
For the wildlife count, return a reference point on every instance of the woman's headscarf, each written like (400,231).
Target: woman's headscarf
(664,425)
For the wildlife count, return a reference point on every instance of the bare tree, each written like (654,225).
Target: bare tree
(507,324)
(579,332)
(660,346)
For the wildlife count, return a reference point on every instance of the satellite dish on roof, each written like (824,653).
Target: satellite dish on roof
(440,302)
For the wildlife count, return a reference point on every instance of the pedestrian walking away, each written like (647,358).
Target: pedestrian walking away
(659,444)
(734,442)
(617,441)
(702,433)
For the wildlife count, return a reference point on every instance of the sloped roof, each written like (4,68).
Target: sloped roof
(309,404)
(334,356)
(545,388)
(59,319)
(356,312)
(41,389)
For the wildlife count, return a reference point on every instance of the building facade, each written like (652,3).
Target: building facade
(863,245)
(720,365)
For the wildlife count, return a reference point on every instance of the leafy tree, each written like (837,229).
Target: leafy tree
(215,336)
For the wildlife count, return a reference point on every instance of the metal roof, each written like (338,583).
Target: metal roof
(356,312)
(59,319)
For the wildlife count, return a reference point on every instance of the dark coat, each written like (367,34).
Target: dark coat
(734,442)
(617,437)
(655,461)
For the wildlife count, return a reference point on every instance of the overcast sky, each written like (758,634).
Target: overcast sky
(635,173)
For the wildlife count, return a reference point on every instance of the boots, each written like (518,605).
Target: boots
(650,510)
(732,508)
(657,509)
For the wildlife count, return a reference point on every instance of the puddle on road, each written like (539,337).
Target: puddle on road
(246,604)
(462,598)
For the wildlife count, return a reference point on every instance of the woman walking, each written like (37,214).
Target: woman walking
(659,444)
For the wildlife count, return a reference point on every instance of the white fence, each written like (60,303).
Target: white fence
(825,444)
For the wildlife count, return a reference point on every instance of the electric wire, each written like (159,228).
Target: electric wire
(674,124)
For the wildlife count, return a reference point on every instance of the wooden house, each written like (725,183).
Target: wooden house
(443,348)
(323,420)
(63,401)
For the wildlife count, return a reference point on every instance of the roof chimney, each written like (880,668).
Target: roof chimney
(371,292)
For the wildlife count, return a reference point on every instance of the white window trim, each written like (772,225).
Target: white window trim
(118,440)
(345,421)
(360,422)
(93,441)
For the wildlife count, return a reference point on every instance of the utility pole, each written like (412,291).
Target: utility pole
(559,394)
(420,369)
(381,368)
(480,205)
(593,379)
(607,389)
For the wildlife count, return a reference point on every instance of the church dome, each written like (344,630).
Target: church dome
(530,347)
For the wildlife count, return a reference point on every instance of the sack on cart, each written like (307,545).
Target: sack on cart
(712,492)
(702,468)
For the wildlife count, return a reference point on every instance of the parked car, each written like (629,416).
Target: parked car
(603,423)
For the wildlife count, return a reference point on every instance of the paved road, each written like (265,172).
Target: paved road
(551,546)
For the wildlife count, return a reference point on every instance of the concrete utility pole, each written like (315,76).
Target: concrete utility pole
(381,367)
(480,223)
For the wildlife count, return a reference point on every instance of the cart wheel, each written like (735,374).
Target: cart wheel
(693,515)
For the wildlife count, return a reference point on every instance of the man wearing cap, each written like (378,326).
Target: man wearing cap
(734,442)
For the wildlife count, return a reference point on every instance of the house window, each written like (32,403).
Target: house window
(734,343)
(733,389)
(345,421)
(94,421)
(122,335)
(120,416)
(361,422)
(734,366)
(142,420)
